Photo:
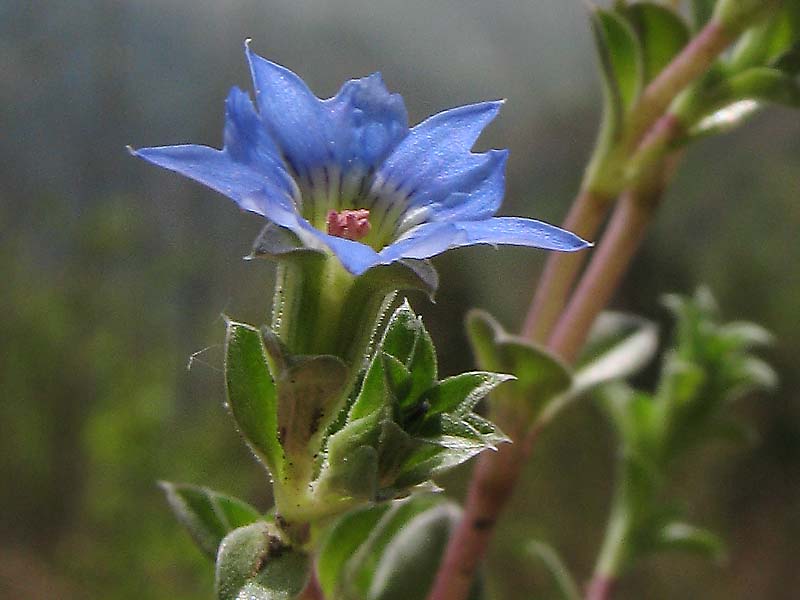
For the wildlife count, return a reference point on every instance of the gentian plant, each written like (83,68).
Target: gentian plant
(339,395)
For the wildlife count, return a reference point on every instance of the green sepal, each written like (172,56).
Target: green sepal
(252,394)
(207,515)
(254,563)
(276,242)
(540,376)
(386,552)
(662,33)
(279,243)
(619,346)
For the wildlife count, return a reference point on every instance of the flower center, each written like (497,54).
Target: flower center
(348,224)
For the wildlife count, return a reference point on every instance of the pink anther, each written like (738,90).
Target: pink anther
(349,224)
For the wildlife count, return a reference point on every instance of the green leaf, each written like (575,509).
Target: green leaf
(459,394)
(701,12)
(208,515)
(402,334)
(736,98)
(564,580)
(771,42)
(344,538)
(252,395)
(541,377)
(408,565)
(397,377)
(411,368)
(746,335)
(619,346)
(620,60)
(682,537)
(254,564)
(386,550)
(661,32)
(764,84)
(307,393)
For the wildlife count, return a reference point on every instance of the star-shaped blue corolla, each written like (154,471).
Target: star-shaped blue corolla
(349,177)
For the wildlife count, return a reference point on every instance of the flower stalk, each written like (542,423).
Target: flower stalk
(648,136)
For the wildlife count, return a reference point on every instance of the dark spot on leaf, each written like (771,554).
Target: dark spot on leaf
(315,420)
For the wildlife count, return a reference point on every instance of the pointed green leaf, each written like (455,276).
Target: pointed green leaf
(765,84)
(459,394)
(395,446)
(351,465)
(402,333)
(541,377)
(397,377)
(252,395)
(407,341)
(208,516)
(254,564)
(342,541)
(564,580)
(408,565)
(422,366)
(373,393)
(619,346)
(746,335)
(682,537)
(661,32)
(356,578)
(620,60)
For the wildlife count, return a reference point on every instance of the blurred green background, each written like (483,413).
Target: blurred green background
(115,274)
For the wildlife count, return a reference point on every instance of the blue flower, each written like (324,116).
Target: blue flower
(348,176)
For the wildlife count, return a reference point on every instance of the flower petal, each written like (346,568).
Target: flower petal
(368,122)
(295,118)
(485,197)
(247,141)
(431,239)
(216,169)
(437,151)
(517,231)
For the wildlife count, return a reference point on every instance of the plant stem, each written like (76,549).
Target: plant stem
(312,591)
(561,269)
(600,588)
(496,473)
(694,60)
(609,262)
(490,488)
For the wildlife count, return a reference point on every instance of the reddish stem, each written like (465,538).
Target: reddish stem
(561,269)
(600,588)
(490,488)
(609,262)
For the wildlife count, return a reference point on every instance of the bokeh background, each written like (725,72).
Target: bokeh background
(114,275)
